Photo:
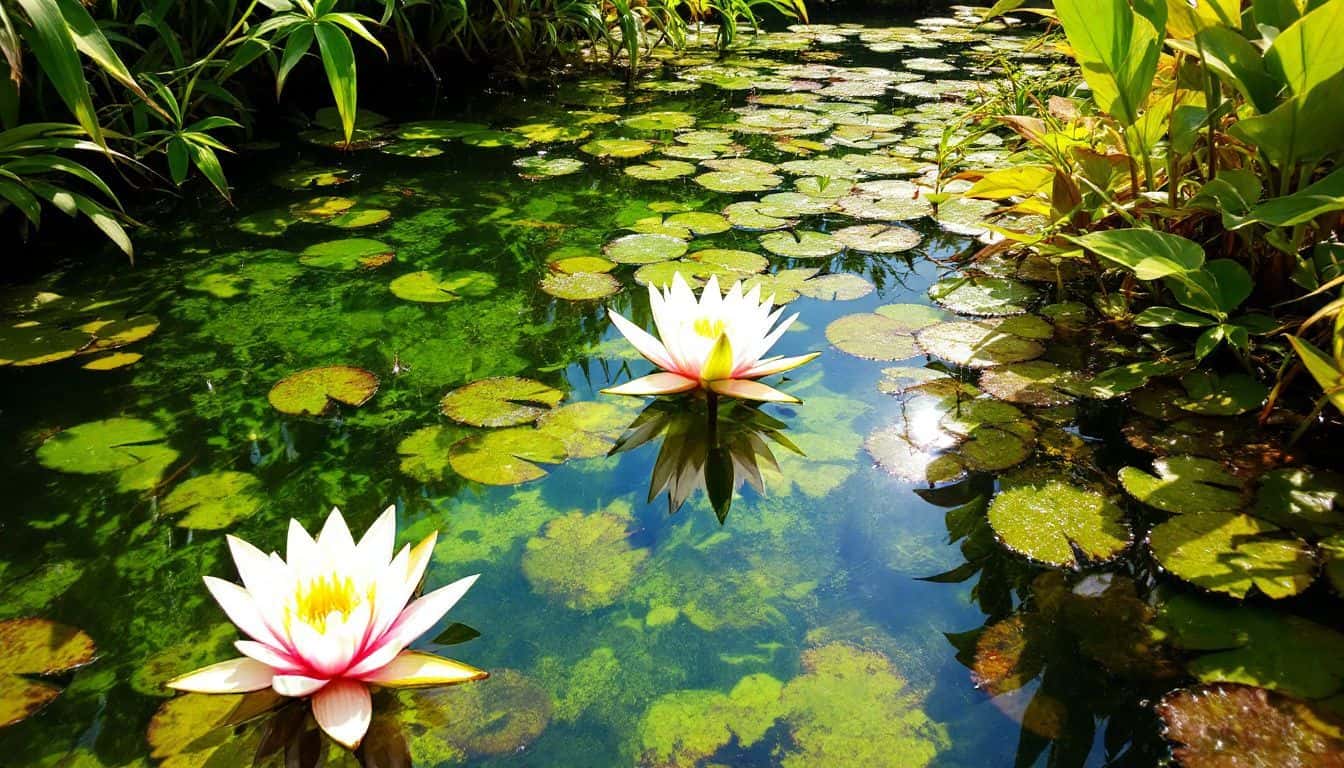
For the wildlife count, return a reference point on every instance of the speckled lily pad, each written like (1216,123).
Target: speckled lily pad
(802,244)
(435,288)
(984,296)
(644,249)
(36,647)
(618,148)
(1231,553)
(312,392)
(878,238)
(1055,522)
(660,170)
(500,402)
(1240,726)
(214,501)
(542,165)
(353,253)
(738,181)
(977,344)
(33,344)
(133,447)
(580,286)
(1184,484)
(872,337)
(506,456)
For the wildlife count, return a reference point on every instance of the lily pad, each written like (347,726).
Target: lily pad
(738,181)
(977,344)
(1057,523)
(492,139)
(435,288)
(424,453)
(1212,395)
(984,296)
(420,149)
(1233,554)
(1184,484)
(660,170)
(872,337)
(215,501)
(878,238)
(36,647)
(802,244)
(752,217)
(894,451)
(1035,383)
(580,286)
(132,447)
(586,561)
(359,218)
(32,344)
(588,429)
(841,286)
(500,402)
(572,265)
(320,209)
(618,148)
(542,165)
(644,249)
(659,121)
(1303,499)
(265,223)
(353,253)
(113,361)
(198,729)
(437,130)
(312,392)
(1239,726)
(506,456)
(699,223)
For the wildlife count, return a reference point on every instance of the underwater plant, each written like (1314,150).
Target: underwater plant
(331,621)
(717,343)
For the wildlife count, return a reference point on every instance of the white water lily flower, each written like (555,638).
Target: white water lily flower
(717,343)
(331,621)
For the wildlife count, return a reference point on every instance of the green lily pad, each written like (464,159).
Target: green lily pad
(312,392)
(572,265)
(551,133)
(32,344)
(751,216)
(36,647)
(699,223)
(1231,553)
(1240,726)
(132,447)
(618,148)
(1303,499)
(1212,395)
(1247,644)
(320,209)
(659,121)
(435,288)
(360,218)
(353,253)
(264,223)
(802,244)
(644,249)
(437,130)
(994,448)
(842,286)
(424,453)
(198,729)
(420,149)
(900,379)
(660,170)
(878,238)
(542,165)
(500,402)
(872,337)
(580,286)
(113,334)
(900,207)
(506,456)
(586,561)
(1057,523)
(788,205)
(819,166)
(1036,383)
(977,344)
(709,138)
(897,455)
(113,361)
(729,182)
(492,139)
(965,216)
(215,501)
(823,187)
(983,296)
(1185,485)
(588,429)
(303,178)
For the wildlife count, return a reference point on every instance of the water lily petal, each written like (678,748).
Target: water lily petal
(241,609)
(719,365)
(376,547)
(335,539)
(745,389)
(652,349)
(413,622)
(254,566)
(343,709)
(778,365)
(280,661)
(233,676)
(300,546)
(297,686)
(412,668)
(654,384)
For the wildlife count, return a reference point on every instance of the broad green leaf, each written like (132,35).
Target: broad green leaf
(1018,181)
(1324,197)
(36,647)
(214,501)
(1233,554)
(312,392)
(53,46)
(1303,499)
(338,59)
(1149,254)
(1328,373)
(1184,485)
(1117,49)
(1160,317)
(1056,523)
(500,402)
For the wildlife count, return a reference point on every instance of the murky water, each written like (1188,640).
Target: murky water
(797,631)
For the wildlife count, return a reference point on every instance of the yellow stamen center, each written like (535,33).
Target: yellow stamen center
(324,596)
(710,329)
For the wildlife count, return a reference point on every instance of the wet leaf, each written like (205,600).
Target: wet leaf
(132,447)
(895,453)
(1185,484)
(977,344)
(506,456)
(353,253)
(543,165)
(1238,726)
(312,392)
(319,209)
(215,501)
(580,286)
(660,170)
(420,149)
(32,344)
(872,337)
(1035,383)
(837,287)
(644,249)
(196,730)
(1059,524)
(113,334)
(1233,554)
(572,265)
(588,429)
(359,218)
(659,121)
(36,647)
(1212,395)
(878,238)
(738,181)
(431,130)
(500,402)
(618,148)
(440,288)
(1303,499)
(801,244)
(984,296)
(424,453)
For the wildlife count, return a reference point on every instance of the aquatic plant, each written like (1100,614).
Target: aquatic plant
(331,621)
(717,344)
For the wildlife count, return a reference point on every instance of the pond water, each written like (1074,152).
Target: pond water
(797,627)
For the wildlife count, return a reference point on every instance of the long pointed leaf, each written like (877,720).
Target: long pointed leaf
(50,40)
(338,59)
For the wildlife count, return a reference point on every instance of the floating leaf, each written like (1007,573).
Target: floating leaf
(1057,523)
(1212,395)
(699,223)
(133,447)
(36,647)
(752,217)
(112,334)
(644,249)
(542,165)
(506,456)
(878,238)
(113,361)
(312,177)
(320,209)
(659,121)
(660,170)
(572,265)
(580,286)
(977,344)
(435,288)
(359,218)
(872,336)
(431,130)
(33,344)
(265,223)
(353,253)
(895,453)
(424,453)
(312,392)
(984,296)
(588,429)
(618,148)
(419,149)
(492,139)
(551,133)
(500,402)
(1184,485)
(801,244)
(584,560)
(1304,499)
(838,287)
(738,181)
(197,729)
(1239,726)
(1035,383)
(1231,553)
(215,501)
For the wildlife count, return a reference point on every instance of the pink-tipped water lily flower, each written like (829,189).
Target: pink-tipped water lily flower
(717,343)
(331,621)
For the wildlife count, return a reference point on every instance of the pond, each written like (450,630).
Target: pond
(856,602)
